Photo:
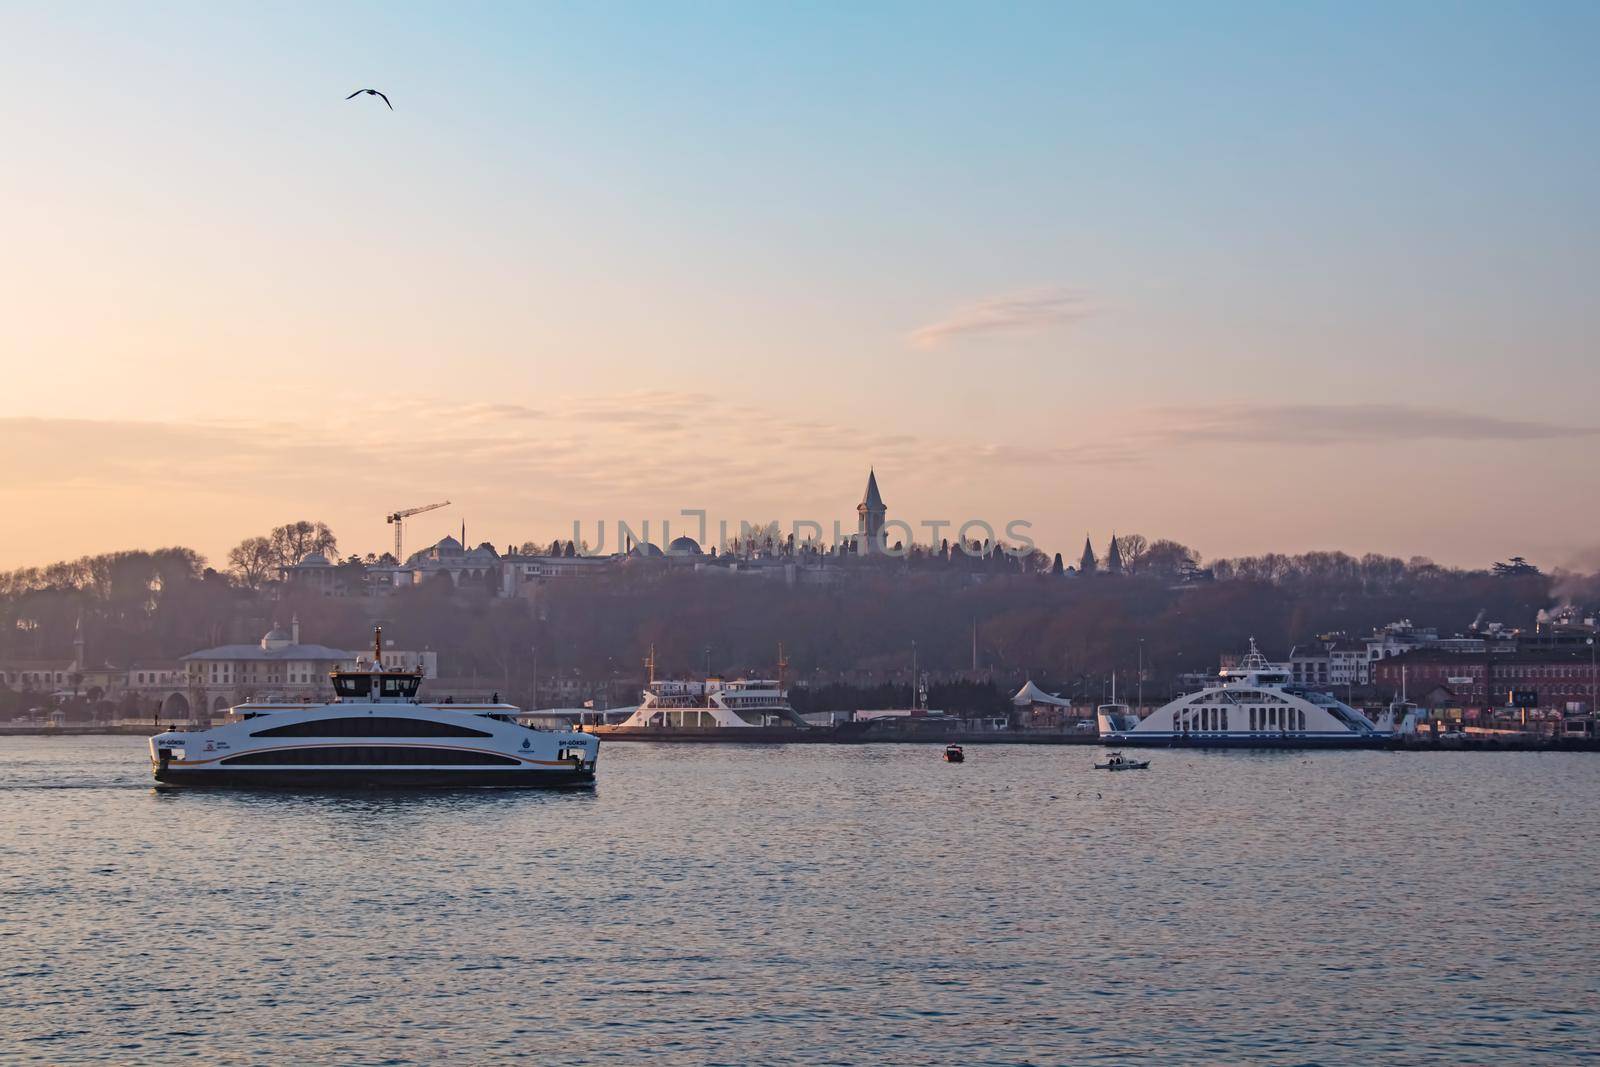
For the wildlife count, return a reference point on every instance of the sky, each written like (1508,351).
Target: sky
(1252,276)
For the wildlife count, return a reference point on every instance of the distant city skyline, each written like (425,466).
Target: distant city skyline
(1252,277)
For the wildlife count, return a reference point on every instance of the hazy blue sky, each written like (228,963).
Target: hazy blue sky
(1254,276)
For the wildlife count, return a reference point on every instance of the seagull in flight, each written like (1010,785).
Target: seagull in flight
(370,92)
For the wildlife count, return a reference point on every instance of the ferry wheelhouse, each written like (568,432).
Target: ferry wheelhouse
(1255,705)
(374,733)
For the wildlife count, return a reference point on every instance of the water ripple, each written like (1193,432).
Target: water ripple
(810,905)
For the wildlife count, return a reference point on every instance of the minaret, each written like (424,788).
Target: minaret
(870,513)
(1113,557)
(1088,564)
(78,660)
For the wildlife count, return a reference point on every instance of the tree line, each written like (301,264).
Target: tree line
(1068,635)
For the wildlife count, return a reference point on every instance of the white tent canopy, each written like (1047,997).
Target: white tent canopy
(1031,694)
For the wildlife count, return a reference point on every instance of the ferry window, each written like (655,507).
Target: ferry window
(352,685)
(371,726)
(368,755)
(1224,718)
(1253,724)
(401,686)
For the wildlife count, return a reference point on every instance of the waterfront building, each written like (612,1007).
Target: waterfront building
(1034,708)
(37,675)
(1472,686)
(278,666)
(1309,664)
(1347,663)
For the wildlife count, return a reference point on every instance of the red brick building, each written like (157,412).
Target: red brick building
(1560,678)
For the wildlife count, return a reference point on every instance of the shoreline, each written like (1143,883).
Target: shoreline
(1418,743)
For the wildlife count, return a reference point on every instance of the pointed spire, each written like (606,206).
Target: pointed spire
(1113,556)
(870,514)
(873,501)
(1087,564)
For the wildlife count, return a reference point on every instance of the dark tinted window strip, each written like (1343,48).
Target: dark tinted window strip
(369,756)
(371,726)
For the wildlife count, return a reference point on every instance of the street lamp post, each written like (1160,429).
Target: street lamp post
(1591,687)
(1141,676)
(913,674)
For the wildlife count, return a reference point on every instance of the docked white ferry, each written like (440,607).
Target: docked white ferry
(1255,705)
(754,708)
(374,733)
(714,704)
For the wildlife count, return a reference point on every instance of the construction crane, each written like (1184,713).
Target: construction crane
(398,519)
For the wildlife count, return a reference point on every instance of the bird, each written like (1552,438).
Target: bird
(370,92)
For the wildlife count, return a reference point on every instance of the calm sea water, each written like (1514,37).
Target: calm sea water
(812,904)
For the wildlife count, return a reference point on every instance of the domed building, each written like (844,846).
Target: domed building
(275,639)
(314,571)
(645,550)
(684,546)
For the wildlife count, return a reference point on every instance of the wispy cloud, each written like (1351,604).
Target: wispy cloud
(1033,310)
(1329,424)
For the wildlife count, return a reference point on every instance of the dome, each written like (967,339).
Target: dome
(683,546)
(314,559)
(274,638)
(645,550)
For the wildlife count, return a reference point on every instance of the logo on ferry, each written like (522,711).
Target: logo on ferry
(524,742)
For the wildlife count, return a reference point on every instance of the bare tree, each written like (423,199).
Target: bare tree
(251,561)
(1132,548)
(292,541)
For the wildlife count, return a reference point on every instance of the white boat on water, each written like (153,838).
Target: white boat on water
(375,732)
(1118,762)
(739,705)
(713,704)
(1256,704)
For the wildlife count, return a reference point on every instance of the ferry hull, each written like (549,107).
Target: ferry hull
(374,778)
(771,735)
(1135,740)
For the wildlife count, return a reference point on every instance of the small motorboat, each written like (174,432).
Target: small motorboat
(953,754)
(1118,762)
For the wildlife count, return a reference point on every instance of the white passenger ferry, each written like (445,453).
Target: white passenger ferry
(753,708)
(1255,705)
(374,733)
